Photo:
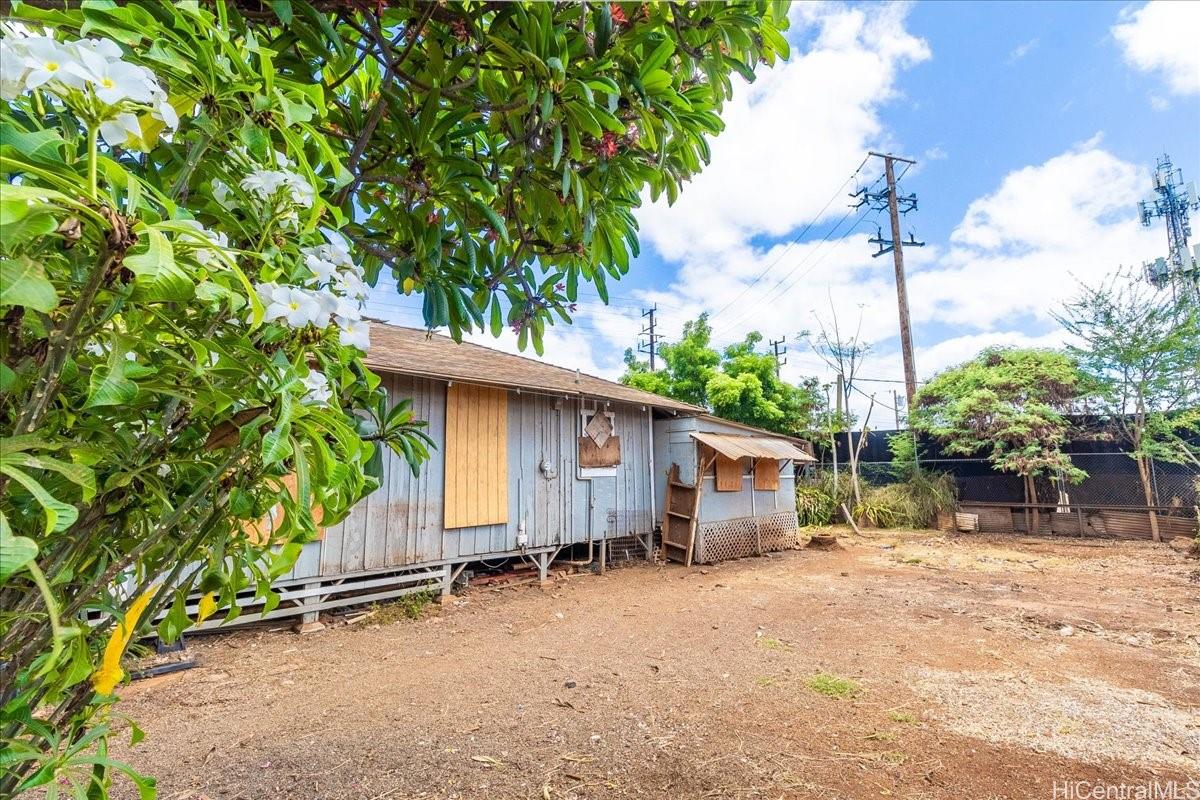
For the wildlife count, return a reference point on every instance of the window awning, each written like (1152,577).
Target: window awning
(733,445)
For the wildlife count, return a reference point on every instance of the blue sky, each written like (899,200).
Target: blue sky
(1035,125)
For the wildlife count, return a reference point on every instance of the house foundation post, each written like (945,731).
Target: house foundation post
(310,621)
(543,562)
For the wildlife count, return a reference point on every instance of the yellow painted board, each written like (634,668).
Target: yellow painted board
(476,460)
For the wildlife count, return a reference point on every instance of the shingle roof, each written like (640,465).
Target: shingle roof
(413,351)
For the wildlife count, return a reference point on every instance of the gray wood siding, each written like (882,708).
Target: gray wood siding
(401,523)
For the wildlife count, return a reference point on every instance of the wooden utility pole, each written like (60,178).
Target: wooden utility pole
(649,330)
(895,245)
(779,348)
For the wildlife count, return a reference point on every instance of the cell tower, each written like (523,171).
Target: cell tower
(1172,201)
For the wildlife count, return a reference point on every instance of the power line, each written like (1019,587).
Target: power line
(813,252)
(794,240)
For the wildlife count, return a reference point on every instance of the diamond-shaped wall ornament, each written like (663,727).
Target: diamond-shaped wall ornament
(599,428)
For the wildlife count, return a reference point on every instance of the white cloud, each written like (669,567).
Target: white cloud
(951,352)
(1022,50)
(1022,250)
(1163,36)
(793,135)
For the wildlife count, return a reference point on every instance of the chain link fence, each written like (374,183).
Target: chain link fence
(1112,486)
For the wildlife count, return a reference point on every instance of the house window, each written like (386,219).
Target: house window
(766,474)
(729,473)
(599,446)
(476,454)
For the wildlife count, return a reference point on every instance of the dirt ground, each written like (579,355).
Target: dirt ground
(982,667)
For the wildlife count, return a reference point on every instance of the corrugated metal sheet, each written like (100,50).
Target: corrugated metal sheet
(738,446)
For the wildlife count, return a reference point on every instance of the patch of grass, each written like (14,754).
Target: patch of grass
(893,757)
(833,686)
(409,606)
(770,643)
(902,716)
(912,560)
(879,736)
(765,681)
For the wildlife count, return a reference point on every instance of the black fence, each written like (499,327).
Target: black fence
(1112,475)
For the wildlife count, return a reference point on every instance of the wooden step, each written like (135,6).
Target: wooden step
(683,486)
(676,545)
(680,515)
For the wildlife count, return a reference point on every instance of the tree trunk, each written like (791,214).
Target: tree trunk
(1031,495)
(1148,492)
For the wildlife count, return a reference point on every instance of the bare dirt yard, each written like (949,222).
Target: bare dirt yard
(908,665)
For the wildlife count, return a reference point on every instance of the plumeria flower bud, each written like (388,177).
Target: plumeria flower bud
(123,130)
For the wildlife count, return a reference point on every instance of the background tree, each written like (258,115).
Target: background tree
(195,198)
(689,365)
(844,356)
(1142,348)
(737,383)
(1009,404)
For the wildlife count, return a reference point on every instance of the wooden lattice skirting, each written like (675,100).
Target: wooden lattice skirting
(746,536)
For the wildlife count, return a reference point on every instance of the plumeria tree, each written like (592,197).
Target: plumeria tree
(195,198)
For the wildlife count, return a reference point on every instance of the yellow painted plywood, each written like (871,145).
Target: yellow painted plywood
(476,455)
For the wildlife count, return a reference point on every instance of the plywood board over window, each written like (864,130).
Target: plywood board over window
(262,531)
(729,474)
(766,474)
(476,456)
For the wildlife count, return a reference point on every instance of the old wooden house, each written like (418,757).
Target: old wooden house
(531,459)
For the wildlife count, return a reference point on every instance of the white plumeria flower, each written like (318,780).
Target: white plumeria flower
(123,130)
(114,82)
(296,306)
(317,384)
(164,112)
(48,60)
(353,285)
(96,349)
(355,333)
(213,240)
(222,194)
(105,48)
(266,183)
(163,470)
(321,269)
(13,69)
(348,308)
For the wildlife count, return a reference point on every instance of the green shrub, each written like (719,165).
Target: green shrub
(814,506)
(930,493)
(817,502)
(903,447)
(885,507)
(914,503)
